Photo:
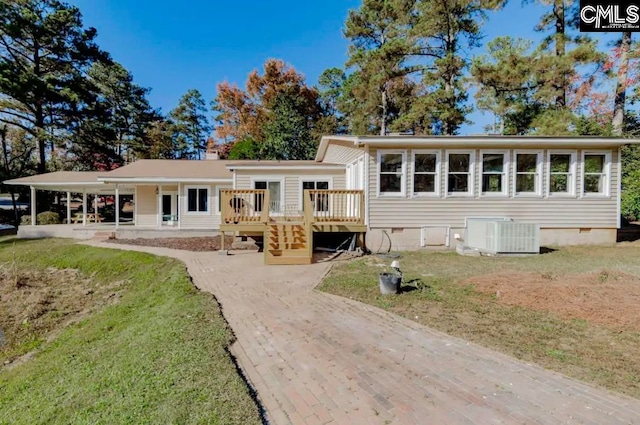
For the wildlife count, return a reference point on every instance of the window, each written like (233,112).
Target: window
(275,195)
(426,171)
(527,173)
(321,201)
(494,172)
(595,173)
(197,199)
(391,170)
(561,173)
(460,173)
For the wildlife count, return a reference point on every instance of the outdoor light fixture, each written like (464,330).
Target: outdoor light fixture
(157,191)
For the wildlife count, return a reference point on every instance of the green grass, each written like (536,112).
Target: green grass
(159,355)
(595,353)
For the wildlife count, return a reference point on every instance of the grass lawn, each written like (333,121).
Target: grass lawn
(576,310)
(153,349)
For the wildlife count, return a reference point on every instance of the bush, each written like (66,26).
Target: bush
(26,220)
(47,217)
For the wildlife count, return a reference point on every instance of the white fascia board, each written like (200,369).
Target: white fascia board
(46,184)
(502,141)
(287,167)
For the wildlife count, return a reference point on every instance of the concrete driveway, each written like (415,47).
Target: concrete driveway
(315,358)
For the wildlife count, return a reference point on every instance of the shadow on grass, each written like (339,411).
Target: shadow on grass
(628,233)
(547,250)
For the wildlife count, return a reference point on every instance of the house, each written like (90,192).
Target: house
(400,192)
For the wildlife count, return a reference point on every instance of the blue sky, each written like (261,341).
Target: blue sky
(171,47)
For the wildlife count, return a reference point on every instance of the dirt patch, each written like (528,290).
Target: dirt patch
(209,243)
(34,305)
(607,297)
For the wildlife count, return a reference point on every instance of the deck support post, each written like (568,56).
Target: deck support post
(68,207)
(117,207)
(33,206)
(84,208)
(222,241)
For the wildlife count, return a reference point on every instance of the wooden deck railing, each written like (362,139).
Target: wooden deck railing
(336,206)
(244,206)
(249,206)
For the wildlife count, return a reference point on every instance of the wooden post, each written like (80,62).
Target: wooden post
(361,218)
(68,207)
(117,207)
(33,206)
(84,208)
(160,218)
(222,241)
(179,203)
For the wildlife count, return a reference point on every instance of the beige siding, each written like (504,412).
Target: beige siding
(341,153)
(208,220)
(566,212)
(146,206)
(292,181)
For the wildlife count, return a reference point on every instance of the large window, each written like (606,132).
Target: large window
(561,173)
(275,195)
(527,173)
(460,173)
(391,172)
(595,173)
(197,200)
(426,170)
(320,201)
(494,172)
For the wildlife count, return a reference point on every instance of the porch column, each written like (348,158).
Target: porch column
(159,206)
(117,207)
(95,206)
(84,208)
(179,203)
(33,206)
(68,207)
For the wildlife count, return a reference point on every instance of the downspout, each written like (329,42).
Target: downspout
(366,185)
(619,195)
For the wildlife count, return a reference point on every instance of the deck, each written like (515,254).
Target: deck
(288,231)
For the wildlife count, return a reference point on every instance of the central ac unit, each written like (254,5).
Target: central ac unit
(502,236)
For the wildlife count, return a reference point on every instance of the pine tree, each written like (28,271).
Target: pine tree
(191,125)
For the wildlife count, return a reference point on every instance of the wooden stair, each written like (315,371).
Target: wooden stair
(287,243)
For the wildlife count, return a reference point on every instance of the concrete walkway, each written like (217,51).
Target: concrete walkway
(315,358)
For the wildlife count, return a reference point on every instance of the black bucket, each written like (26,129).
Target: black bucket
(390,283)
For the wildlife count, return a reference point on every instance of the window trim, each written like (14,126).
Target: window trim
(539,170)
(572,173)
(186,199)
(218,208)
(403,175)
(607,174)
(505,172)
(314,179)
(438,172)
(472,172)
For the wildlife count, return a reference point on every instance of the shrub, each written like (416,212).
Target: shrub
(48,217)
(26,220)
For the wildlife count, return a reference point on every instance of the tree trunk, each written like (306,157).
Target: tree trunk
(621,86)
(385,107)
(560,42)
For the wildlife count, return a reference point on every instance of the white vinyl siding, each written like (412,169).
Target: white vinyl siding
(552,212)
(342,153)
(201,221)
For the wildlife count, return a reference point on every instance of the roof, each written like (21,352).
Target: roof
(290,165)
(158,170)
(481,141)
(67,181)
(59,178)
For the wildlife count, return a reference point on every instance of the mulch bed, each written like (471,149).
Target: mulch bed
(197,244)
